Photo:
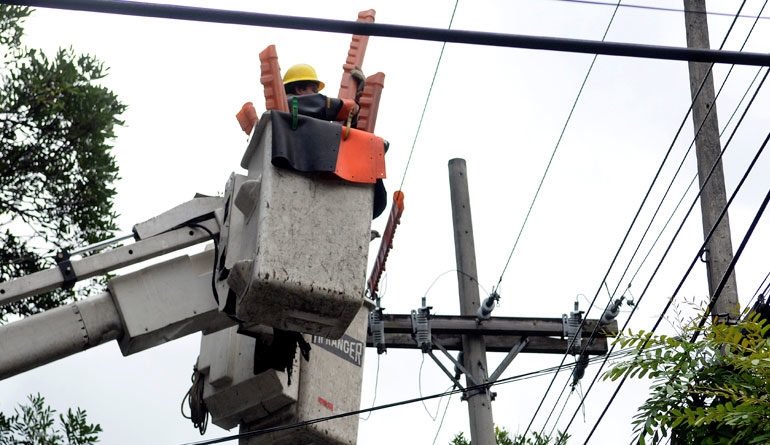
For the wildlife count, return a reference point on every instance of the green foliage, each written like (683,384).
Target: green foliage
(503,437)
(713,391)
(56,167)
(33,424)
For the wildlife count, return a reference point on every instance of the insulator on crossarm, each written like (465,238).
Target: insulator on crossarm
(611,312)
(421,328)
(377,329)
(485,310)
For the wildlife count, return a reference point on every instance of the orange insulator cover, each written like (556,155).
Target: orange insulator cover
(247,117)
(361,157)
(355,57)
(386,244)
(370,102)
(275,96)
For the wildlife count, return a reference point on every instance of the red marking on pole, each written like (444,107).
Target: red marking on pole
(326,404)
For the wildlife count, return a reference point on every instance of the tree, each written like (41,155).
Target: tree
(57,171)
(712,391)
(502,437)
(33,424)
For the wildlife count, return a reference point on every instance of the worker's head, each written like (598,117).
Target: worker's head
(301,79)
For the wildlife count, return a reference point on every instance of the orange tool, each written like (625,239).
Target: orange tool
(247,117)
(355,57)
(386,244)
(275,96)
(370,102)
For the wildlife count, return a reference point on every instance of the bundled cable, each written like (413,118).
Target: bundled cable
(199,413)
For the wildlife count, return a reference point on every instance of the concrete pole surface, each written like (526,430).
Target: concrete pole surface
(474,349)
(713,198)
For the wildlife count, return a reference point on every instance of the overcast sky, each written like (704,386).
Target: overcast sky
(500,109)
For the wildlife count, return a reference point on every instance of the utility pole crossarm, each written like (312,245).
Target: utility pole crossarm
(495,343)
(495,326)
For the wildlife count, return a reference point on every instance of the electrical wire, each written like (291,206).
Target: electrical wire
(623,241)
(553,153)
(617,354)
(446,408)
(550,434)
(692,264)
(695,177)
(216,257)
(547,419)
(658,8)
(748,306)
(376,383)
(646,231)
(467,275)
(722,283)
(731,266)
(199,413)
(427,98)
(707,238)
(400,31)
(697,133)
(419,388)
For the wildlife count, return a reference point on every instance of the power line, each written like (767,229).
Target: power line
(673,142)
(446,408)
(708,237)
(684,158)
(618,354)
(376,383)
(727,124)
(722,283)
(694,261)
(401,31)
(427,98)
(555,148)
(748,305)
(731,266)
(660,8)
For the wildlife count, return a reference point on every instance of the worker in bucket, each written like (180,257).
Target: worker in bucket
(302,88)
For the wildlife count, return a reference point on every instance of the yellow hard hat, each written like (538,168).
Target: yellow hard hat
(300,72)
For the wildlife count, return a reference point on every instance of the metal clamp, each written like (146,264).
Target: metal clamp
(67,272)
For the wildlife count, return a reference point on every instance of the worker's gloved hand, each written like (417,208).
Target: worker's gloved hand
(360,79)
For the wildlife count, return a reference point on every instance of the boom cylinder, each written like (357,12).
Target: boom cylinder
(43,338)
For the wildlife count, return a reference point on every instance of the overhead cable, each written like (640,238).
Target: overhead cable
(671,146)
(710,107)
(694,261)
(715,297)
(660,8)
(427,99)
(708,237)
(627,234)
(731,267)
(400,31)
(555,148)
(525,376)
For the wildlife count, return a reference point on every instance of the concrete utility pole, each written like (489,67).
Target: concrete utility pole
(474,348)
(719,250)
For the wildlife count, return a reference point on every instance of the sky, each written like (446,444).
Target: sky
(502,110)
